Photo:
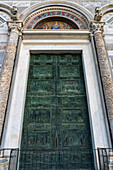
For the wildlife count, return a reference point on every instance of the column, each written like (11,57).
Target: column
(105,70)
(7,71)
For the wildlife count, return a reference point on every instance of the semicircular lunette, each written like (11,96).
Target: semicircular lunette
(55,24)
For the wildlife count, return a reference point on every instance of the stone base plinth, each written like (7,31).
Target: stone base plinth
(110,161)
(3,164)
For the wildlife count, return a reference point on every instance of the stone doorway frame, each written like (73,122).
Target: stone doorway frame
(52,42)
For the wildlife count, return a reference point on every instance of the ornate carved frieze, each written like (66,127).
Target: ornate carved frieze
(6,75)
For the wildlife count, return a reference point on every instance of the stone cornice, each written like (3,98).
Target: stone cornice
(59,35)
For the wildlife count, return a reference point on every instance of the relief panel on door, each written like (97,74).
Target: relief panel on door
(56,114)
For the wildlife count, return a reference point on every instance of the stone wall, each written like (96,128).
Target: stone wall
(88,4)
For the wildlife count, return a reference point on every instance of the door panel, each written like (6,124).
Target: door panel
(56,115)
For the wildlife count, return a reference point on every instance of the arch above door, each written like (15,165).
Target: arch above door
(74,19)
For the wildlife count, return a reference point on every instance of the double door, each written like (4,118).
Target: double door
(56,124)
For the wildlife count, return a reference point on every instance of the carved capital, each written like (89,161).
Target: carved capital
(15,26)
(96,26)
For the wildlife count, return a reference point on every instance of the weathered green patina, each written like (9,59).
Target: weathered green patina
(56,115)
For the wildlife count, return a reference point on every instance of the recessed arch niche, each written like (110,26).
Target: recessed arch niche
(65,17)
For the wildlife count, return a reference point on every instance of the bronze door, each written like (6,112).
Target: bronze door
(56,123)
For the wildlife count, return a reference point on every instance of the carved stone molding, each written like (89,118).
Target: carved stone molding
(63,3)
(96,26)
(70,11)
